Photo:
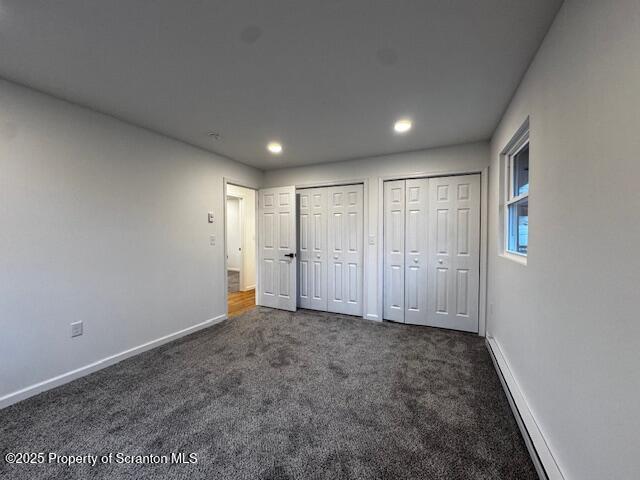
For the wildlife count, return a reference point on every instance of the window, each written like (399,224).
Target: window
(517,195)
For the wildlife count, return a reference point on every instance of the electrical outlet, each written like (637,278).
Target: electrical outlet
(76,329)
(212,240)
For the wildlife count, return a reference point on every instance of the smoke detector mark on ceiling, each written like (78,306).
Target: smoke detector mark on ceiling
(251,34)
(387,56)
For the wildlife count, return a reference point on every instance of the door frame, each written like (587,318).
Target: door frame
(238,183)
(365,229)
(484,199)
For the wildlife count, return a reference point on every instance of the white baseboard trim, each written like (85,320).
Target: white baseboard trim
(67,377)
(543,459)
(372,316)
(249,287)
(229,269)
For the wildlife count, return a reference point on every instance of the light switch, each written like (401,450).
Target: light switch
(212,240)
(210,217)
(372,239)
(76,329)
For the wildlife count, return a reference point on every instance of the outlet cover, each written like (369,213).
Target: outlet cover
(76,329)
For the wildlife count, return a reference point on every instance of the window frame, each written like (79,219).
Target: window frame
(515,146)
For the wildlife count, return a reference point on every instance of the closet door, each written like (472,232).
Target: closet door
(394,220)
(415,250)
(312,249)
(345,249)
(454,252)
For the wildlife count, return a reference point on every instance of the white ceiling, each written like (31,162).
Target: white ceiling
(327,78)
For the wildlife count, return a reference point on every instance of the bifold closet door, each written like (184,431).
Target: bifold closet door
(416,251)
(312,249)
(394,206)
(454,252)
(432,251)
(405,250)
(345,249)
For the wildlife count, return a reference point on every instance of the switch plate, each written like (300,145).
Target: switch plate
(212,240)
(372,239)
(210,217)
(76,329)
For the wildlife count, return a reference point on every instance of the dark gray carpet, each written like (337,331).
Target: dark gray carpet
(233,281)
(276,395)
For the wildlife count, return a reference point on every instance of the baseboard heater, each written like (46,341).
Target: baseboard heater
(541,455)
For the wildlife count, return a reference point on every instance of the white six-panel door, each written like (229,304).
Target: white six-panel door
(454,253)
(277,248)
(432,251)
(312,249)
(345,249)
(416,251)
(394,218)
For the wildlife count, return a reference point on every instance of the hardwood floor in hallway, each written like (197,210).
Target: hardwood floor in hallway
(241,302)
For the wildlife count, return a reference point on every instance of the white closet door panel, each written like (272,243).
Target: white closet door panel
(345,249)
(394,250)
(277,248)
(454,252)
(415,281)
(312,248)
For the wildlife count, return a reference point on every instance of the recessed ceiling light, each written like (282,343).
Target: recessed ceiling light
(275,148)
(402,126)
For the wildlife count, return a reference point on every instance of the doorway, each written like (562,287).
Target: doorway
(240,245)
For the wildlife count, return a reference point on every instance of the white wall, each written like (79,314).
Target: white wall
(568,322)
(460,159)
(234,234)
(248,214)
(101,222)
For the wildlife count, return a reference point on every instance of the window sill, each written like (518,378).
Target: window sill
(514,257)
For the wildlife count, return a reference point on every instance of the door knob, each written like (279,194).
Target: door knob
(440,261)
(318,256)
(335,257)
(290,255)
(415,260)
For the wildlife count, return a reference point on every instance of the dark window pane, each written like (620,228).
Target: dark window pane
(519,226)
(521,172)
